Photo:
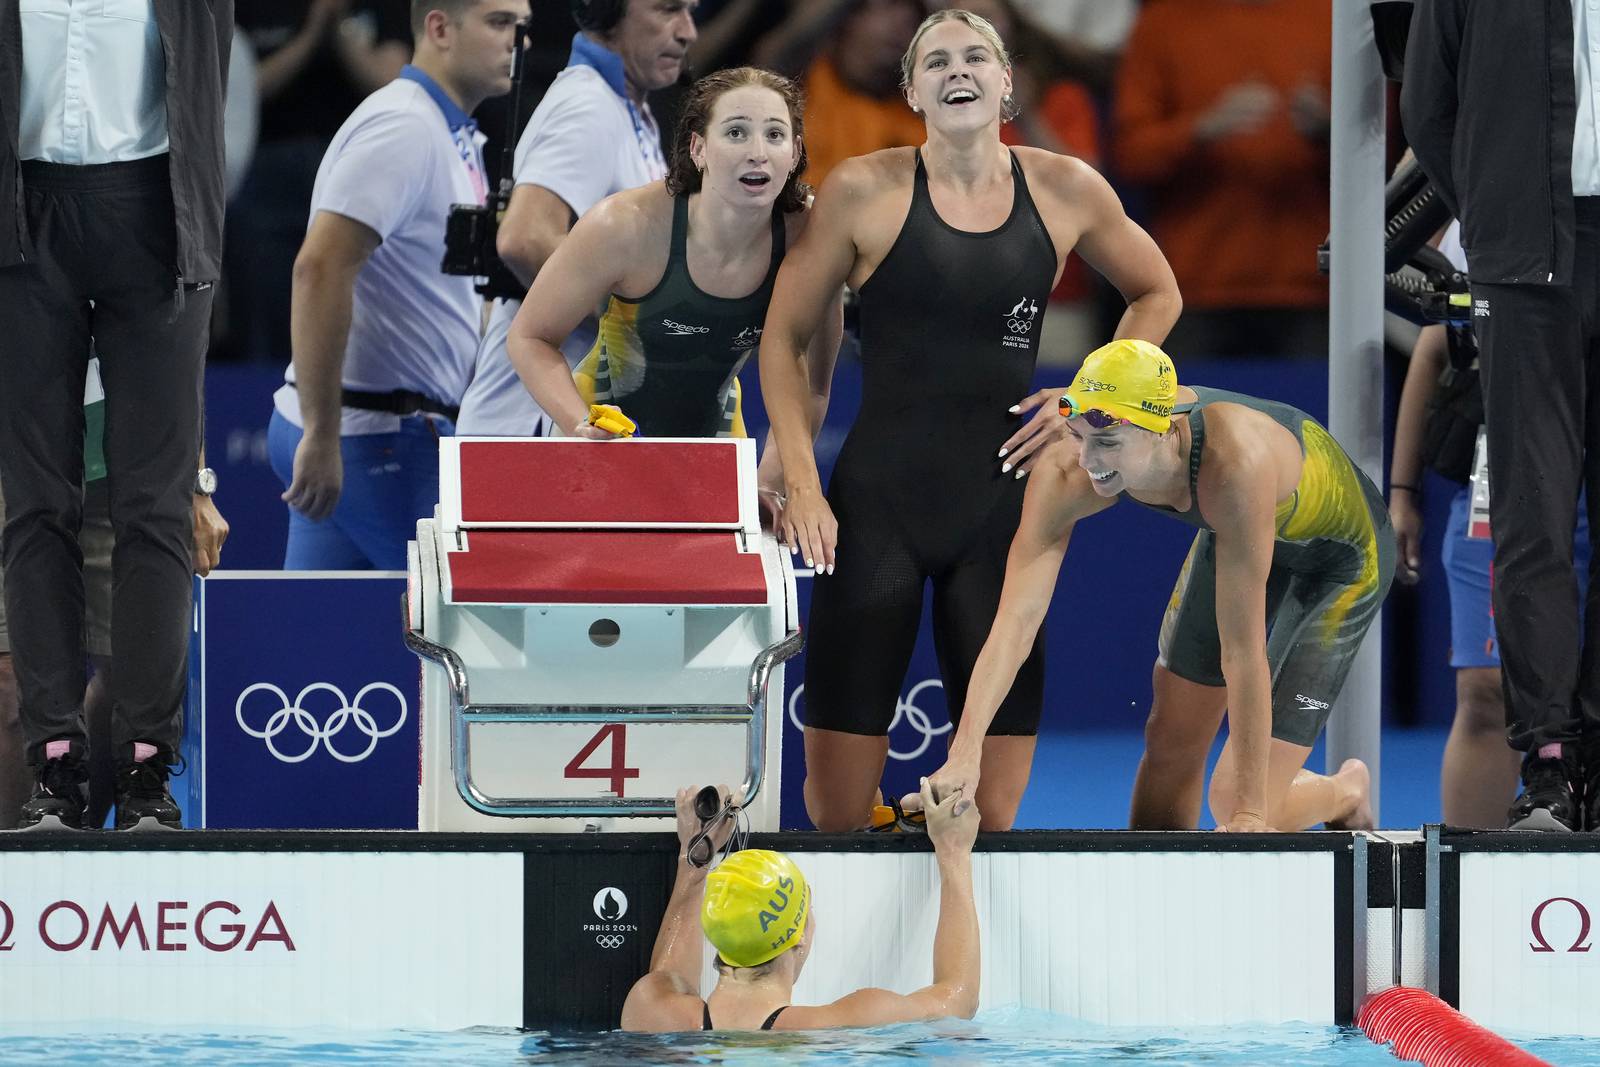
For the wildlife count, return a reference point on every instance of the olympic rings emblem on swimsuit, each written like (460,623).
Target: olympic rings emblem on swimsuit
(348,713)
(609,940)
(905,708)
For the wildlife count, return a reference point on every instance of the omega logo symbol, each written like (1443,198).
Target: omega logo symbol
(1539,944)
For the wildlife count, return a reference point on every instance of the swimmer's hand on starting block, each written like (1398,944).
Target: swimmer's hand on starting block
(605,421)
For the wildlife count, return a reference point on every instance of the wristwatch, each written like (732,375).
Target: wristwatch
(205,481)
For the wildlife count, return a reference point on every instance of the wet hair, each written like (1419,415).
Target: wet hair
(979,25)
(684,177)
(760,970)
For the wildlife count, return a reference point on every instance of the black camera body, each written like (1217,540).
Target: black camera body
(470,236)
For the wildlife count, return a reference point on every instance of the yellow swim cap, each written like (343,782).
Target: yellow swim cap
(1132,380)
(755,907)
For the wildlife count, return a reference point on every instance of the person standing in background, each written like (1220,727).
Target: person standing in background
(1499,104)
(383,340)
(317,59)
(1222,116)
(113,119)
(592,135)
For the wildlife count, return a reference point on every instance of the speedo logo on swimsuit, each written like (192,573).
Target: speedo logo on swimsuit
(678,329)
(1311,703)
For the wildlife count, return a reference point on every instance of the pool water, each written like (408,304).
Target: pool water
(1002,1034)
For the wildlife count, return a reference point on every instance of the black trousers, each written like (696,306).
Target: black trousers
(1539,347)
(103,279)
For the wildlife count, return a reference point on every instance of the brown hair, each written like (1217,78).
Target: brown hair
(979,25)
(684,177)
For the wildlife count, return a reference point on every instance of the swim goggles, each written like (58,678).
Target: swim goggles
(1095,417)
(712,811)
(892,818)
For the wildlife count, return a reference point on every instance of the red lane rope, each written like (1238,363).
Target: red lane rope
(1419,1026)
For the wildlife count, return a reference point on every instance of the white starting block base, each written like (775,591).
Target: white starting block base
(594,642)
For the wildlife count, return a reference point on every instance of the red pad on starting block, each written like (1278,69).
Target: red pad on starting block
(605,567)
(590,483)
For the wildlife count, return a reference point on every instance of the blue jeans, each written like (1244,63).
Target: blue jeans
(390,481)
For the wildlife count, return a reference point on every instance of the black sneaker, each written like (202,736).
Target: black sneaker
(60,793)
(143,800)
(1547,801)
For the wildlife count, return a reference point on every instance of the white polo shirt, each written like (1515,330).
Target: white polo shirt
(586,141)
(396,167)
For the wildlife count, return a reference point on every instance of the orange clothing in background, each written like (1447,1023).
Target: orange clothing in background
(1240,218)
(841,122)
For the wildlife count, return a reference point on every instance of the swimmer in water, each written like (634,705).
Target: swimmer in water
(756,910)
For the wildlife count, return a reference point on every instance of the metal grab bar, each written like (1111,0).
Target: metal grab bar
(464,714)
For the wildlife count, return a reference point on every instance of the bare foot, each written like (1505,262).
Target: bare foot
(1354,776)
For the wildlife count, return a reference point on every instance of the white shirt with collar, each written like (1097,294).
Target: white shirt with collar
(1585,68)
(396,168)
(94,81)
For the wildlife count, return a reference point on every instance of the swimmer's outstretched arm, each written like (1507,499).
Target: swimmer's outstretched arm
(584,269)
(1236,495)
(668,997)
(1058,496)
(809,284)
(957,944)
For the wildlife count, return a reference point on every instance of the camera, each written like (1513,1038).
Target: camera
(469,246)
(471,230)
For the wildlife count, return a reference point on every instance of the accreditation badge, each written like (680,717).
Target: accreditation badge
(1478,518)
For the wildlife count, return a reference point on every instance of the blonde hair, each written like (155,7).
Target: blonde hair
(977,24)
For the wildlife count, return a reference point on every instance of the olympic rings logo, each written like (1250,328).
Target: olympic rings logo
(905,709)
(609,940)
(1019,325)
(348,713)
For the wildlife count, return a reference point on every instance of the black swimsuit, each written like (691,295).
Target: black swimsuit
(706,1024)
(950,324)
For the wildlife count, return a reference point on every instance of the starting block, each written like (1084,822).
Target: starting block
(601,623)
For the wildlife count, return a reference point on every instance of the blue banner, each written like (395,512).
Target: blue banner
(303,705)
